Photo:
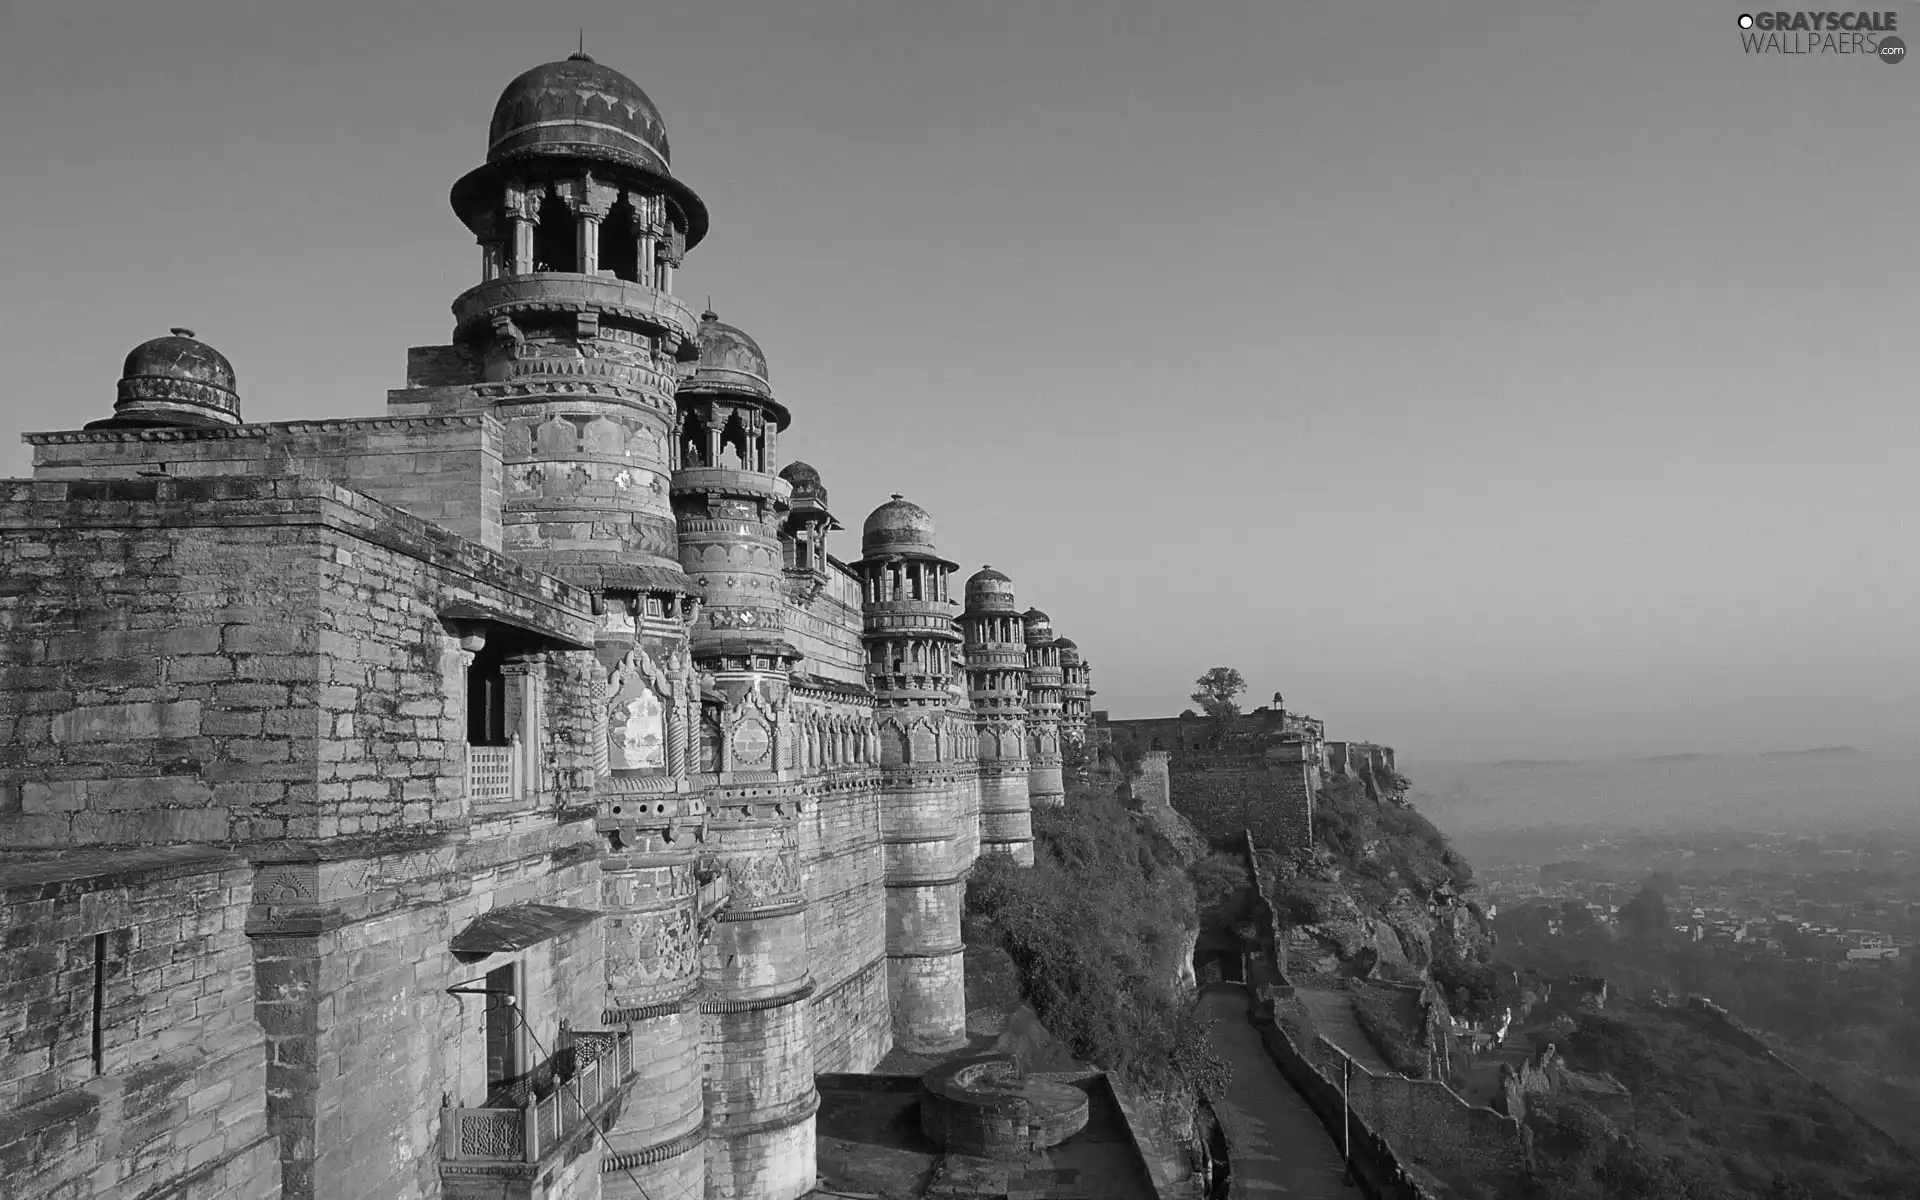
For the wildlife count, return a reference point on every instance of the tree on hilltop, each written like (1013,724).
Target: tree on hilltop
(1217,689)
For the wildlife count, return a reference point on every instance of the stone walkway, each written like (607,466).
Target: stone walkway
(1332,1013)
(1278,1147)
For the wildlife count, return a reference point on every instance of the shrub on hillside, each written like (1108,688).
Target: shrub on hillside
(1382,846)
(1097,928)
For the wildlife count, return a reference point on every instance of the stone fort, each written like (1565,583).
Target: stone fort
(1262,774)
(511,795)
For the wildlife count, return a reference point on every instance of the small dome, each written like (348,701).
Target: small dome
(805,482)
(578,107)
(988,591)
(898,527)
(176,380)
(1039,626)
(730,361)
(1069,651)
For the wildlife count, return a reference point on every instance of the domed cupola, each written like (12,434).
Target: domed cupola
(569,117)
(898,527)
(989,591)
(174,380)
(1039,627)
(806,484)
(1069,651)
(808,521)
(580,108)
(732,364)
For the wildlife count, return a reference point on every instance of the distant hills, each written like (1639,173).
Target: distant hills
(1820,752)
(1513,764)
(1811,788)
(1536,762)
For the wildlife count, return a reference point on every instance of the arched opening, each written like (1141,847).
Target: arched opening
(555,244)
(733,445)
(620,243)
(693,443)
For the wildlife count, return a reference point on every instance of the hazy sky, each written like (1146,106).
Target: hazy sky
(1508,378)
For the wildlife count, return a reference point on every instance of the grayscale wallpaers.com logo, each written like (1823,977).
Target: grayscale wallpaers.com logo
(1870,34)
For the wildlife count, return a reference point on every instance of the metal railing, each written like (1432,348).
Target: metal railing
(601,1063)
(491,772)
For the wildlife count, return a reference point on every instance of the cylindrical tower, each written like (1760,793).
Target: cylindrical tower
(573,339)
(1044,689)
(573,330)
(908,628)
(730,505)
(650,887)
(996,649)
(1073,694)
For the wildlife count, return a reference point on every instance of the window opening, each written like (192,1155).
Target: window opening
(487,697)
(619,243)
(555,244)
(99,1003)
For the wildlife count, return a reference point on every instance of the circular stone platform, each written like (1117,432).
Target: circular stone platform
(983,1106)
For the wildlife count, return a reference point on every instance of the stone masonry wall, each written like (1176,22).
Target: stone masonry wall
(146,952)
(1272,800)
(842,869)
(440,469)
(177,651)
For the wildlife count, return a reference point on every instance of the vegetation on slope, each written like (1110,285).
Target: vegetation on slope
(1384,845)
(1710,1122)
(1098,929)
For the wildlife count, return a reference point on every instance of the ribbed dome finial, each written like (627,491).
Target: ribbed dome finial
(180,331)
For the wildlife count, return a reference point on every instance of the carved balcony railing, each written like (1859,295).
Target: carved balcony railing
(492,771)
(519,1125)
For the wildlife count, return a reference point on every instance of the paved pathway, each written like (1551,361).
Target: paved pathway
(1333,1015)
(1278,1147)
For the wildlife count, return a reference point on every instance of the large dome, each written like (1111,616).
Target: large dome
(176,380)
(578,107)
(574,111)
(989,591)
(898,527)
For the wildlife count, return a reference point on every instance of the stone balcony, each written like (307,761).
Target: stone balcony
(501,1149)
(729,481)
(563,292)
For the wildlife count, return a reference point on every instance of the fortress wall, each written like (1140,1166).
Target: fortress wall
(158,937)
(846,921)
(1224,797)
